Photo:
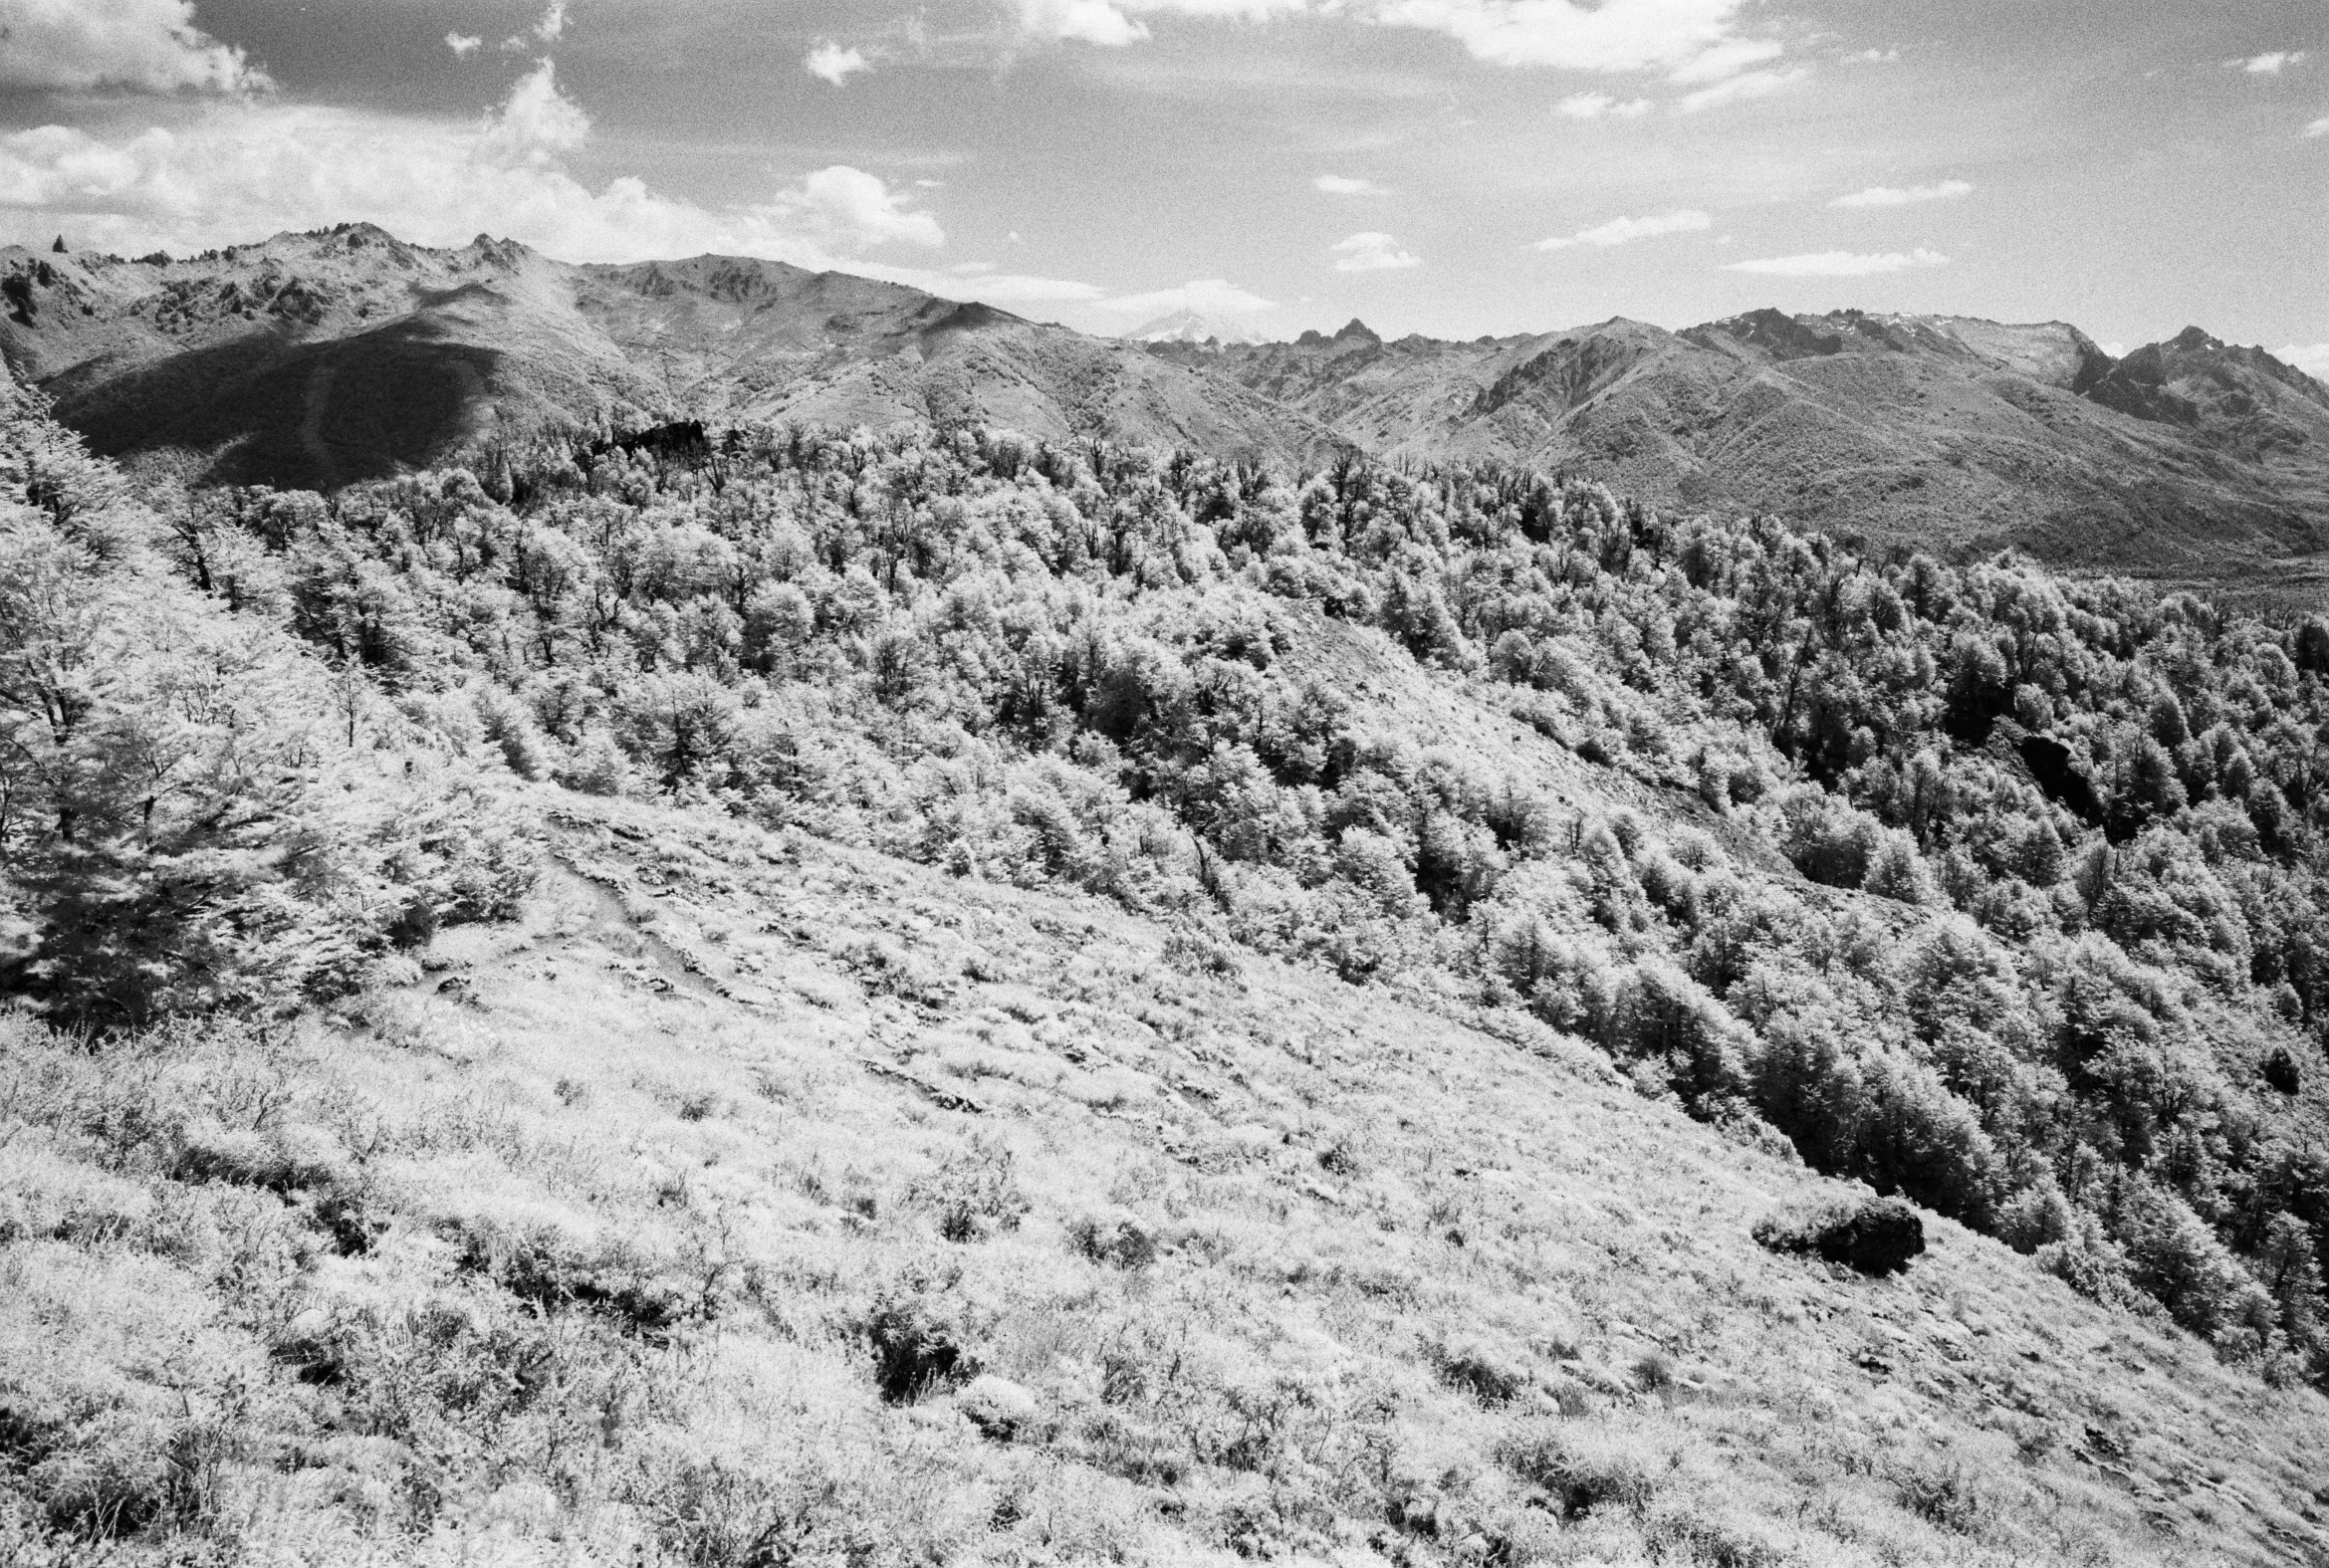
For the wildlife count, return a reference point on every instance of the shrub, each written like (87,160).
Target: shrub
(1875,1235)
(972,1194)
(1582,1474)
(916,1350)
(1943,1494)
(1117,1240)
(1478,1369)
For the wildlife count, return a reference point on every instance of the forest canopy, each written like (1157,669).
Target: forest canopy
(1993,888)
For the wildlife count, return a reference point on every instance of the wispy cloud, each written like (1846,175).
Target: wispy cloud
(1905,195)
(1205,295)
(1345,185)
(546,29)
(2319,127)
(1598,106)
(1694,41)
(464,44)
(1372,252)
(1840,264)
(831,63)
(1624,231)
(2269,64)
(1741,88)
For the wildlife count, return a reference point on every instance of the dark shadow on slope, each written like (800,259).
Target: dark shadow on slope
(294,415)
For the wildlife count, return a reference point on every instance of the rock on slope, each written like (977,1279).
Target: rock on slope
(325,357)
(2187,461)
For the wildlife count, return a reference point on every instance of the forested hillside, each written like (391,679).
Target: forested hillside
(1995,890)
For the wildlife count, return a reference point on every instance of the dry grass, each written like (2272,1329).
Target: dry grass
(754,1200)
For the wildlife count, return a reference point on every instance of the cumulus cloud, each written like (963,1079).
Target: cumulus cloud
(2319,127)
(464,44)
(2270,63)
(1344,185)
(2313,360)
(1624,231)
(1205,297)
(246,168)
(1696,41)
(856,207)
(835,64)
(1840,264)
(1752,85)
(136,46)
(1597,106)
(1372,252)
(1905,195)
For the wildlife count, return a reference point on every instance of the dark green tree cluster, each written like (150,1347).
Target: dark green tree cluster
(194,813)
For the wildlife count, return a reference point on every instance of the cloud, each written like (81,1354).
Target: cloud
(2319,127)
(135,45)
(1207,297)
(1372,252)
(2270,63)
(1623,230)
(1344,185)
(1840,264)
(1874,57)
(464,44)
(863,209)
(246,168)
(1755,83)
(835,64)
(1617,35)
(1724,60)
(992,288)
(1594,106)
(2313,360)
(1904,195)
(1693,40)
(1084,20)
(546,29)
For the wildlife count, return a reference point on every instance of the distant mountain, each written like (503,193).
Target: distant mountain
(1192,327)
(2187,460)
(320,359)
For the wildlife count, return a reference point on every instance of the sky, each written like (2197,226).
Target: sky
(1452,167)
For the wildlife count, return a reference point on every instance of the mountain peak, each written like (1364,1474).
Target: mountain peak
(2193,340)
(1354,329)
(1193,326)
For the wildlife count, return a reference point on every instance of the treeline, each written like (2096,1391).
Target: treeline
(2054,963)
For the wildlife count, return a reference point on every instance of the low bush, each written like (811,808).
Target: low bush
(1873,1235)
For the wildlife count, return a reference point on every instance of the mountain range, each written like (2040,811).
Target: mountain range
(2190,460)
(315,360)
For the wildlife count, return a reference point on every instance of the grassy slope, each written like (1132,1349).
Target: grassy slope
(683,1065)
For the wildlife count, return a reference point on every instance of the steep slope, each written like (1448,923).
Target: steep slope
(751,1198)
(320,359)
(2187,460)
